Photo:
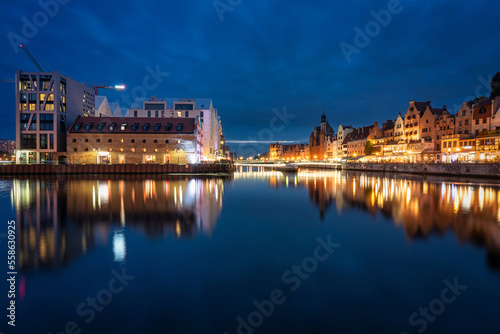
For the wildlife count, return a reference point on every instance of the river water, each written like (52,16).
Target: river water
(257,252)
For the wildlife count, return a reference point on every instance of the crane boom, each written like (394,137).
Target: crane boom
(96,86)
(31,57)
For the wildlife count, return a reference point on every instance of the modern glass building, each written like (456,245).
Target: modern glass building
(47,103)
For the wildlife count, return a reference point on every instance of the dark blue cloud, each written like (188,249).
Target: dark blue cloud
(265,55)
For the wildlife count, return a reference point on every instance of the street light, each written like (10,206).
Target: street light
(178,154)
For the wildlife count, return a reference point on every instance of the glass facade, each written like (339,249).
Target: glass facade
(46,122)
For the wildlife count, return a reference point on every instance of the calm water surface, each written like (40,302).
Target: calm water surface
(158,254)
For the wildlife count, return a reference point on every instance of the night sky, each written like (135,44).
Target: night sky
(264,55)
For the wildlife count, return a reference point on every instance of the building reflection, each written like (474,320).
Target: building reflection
(59,219)
(422,207)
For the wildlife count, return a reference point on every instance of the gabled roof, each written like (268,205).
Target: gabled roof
(483,103)
(421,106)
(358,134)
(162,125)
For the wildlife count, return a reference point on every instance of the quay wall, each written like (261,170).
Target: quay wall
(35,169)
(477,170)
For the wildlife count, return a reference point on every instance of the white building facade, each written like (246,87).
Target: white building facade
(185,108)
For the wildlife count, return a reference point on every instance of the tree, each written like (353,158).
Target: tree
(495,86)
(368,147)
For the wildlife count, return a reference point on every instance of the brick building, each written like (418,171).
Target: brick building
(318,140)
(119,140)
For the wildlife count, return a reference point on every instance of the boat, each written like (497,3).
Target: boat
(288,168)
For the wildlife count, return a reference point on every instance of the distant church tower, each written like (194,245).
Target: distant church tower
(323,122)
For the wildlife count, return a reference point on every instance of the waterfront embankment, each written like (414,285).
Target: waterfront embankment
(464,170)
(12,169)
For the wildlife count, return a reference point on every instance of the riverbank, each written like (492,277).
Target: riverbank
(462,170)
(11,169)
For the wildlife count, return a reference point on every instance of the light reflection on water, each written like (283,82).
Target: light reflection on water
(61,219)
(202,249)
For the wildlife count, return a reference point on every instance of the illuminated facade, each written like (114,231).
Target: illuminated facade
(121,140)
(155,107)
(46,105)
(319,138)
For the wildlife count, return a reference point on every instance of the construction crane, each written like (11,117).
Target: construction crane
(31,57)
(95,87)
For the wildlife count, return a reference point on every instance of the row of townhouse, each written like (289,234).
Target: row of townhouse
(423,133)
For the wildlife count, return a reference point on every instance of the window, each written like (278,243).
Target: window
(112,127)
(201,115)
(110,140)
(43,141)
(86,140)
(86,149)
(179,114)
(484,120)
(459,123)
(89,126)
(123,126)
(477,121)
(157,126)
(101,126)
(47,122)
(135,126)
(156,141)
(144,141)
(464,112)
(184,106)
(466,122)
(97,140)
(180,126)
(146,127)
(33,123)
(28,141)
(168,127)
(166,141)
(132,141)
(171,114)
(74,140)
(78,126)
(187,114)
(75,149)
(135,113)
(24,121)
(156,113)
(149,113)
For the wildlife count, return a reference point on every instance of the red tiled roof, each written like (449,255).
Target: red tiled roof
(104,125)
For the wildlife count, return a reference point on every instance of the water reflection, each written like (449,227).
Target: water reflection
(423,207)
(61,219)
